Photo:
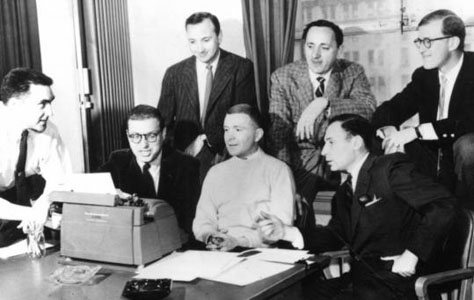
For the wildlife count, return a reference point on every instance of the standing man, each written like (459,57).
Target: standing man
(197,92)
(238,191)
(391,218)
(33,158)
(304,94)
(152,170)
(442,94)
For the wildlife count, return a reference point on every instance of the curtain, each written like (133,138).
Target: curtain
(269,32)
(19,37)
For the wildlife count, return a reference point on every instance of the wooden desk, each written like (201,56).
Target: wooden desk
(22,278)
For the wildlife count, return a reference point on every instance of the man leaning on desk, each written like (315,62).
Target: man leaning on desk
(152,169)
(236,192)
(33,159)
(391,218)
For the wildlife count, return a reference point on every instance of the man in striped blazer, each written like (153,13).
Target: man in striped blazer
(197,92)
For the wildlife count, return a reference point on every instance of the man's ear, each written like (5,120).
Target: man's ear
(453,43)
(219,37)
(357,142)
(340,50)
(258,134)
(163,132)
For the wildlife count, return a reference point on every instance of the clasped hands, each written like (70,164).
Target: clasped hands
(393,139)
(221,241)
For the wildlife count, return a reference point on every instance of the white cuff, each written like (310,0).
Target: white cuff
(293,235)
(427,131)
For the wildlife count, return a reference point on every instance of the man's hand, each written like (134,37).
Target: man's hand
(394,140)
(404,264)
(271,228)
(195,147)
(221,241)
(305,126)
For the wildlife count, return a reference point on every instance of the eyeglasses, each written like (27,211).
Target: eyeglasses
(151,137)
(427,41)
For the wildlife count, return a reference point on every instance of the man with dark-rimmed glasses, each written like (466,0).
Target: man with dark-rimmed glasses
(151,169)
(442,94)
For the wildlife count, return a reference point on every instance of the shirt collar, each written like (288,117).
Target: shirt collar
(154,163)
(354,171)
(252,156)
(313,76)
(452,74)
(202,66)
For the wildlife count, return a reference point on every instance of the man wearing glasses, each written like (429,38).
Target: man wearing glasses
(151,169)
(442,94)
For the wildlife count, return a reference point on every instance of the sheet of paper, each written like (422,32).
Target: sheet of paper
(16,249)
(99,183)
(277,255)
(186,266)
(250,271)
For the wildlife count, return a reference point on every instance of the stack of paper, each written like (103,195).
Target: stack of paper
(233,268)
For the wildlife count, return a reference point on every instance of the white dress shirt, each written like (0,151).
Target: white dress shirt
(154,170)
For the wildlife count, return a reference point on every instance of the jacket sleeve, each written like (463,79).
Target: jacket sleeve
(360,99)
(434,204)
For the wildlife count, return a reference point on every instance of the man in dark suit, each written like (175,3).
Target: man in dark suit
(196,92)
(393,223)
(442,94)
(153,170)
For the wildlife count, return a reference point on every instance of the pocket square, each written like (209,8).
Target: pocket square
(374,200)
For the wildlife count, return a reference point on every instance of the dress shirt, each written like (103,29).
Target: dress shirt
(46,153)
(427,131)
(154,170)
(201,72)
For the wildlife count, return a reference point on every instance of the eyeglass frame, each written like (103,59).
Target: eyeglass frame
(427,41)
(146,136)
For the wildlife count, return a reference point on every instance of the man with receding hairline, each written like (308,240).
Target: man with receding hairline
(197,91)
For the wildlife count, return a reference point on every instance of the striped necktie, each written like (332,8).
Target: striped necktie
(320,90)
(207,92)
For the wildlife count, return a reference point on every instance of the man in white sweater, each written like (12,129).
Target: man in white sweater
(237,191)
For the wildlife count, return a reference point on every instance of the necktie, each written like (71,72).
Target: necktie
(20,178)
(320,90)
(207,92)
(442,97)
(348,187)
(148,183)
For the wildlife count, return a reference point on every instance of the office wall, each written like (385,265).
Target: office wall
(158,38)
(55,21)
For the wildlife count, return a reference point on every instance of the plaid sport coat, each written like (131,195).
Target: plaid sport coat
(348,91)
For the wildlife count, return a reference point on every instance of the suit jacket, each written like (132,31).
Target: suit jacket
(178,184)
(421,96)
(407,210)
(179,101)
(348,91)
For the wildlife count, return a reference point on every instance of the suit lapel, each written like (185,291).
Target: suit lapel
(362,187)
(221,78)
(304,92)
(166,174)
(190,86)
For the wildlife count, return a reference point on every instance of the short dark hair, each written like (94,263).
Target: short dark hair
(198,17)
(144,112)
(248,110)
(452,24)
(325,23)
(356,125)
(18,81)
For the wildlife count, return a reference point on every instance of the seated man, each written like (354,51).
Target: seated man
(150,169)
(237,190)
(393,223)
(33,159)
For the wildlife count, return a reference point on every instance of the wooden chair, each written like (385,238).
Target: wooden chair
(457,282)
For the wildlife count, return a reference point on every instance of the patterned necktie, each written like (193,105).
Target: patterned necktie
(148,183)
(20,177)
(207,92)
(442,97)
(320,90)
